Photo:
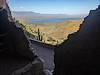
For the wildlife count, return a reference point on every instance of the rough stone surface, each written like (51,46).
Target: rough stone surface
(16,56)
(12,39)
(80,54)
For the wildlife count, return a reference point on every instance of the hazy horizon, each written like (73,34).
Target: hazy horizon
(70,7)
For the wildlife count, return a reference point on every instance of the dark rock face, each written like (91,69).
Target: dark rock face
(16,56)
(80,54)
(13,38)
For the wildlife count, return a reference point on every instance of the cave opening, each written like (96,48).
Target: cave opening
(45,37)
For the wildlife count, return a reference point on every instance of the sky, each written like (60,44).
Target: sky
(54,6)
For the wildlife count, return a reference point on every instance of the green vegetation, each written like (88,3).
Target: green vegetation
(51,33)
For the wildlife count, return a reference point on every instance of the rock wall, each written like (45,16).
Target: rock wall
(16,56)
(80,54)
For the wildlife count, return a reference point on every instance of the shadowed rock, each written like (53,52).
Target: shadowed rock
(80,54)
(12,39)
(16,56)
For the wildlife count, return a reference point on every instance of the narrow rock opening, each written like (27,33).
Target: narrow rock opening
(75,56)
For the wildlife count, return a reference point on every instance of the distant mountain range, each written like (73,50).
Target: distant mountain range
(34,15)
